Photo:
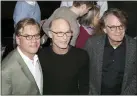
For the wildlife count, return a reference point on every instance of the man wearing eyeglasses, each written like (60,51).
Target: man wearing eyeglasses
(65,68)
(21,71)
(71,14)
(112,57)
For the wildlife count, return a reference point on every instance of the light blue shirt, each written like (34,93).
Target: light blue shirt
(24,10)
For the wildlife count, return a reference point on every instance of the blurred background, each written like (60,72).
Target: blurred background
(47,8)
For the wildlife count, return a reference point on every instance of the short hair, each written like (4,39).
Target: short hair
(120,14)
(87,19)
(24,22)
(79,3)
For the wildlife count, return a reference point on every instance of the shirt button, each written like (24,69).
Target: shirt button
(113,60)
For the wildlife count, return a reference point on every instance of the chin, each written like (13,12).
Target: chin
(33,50)
(63,46)
(120,39)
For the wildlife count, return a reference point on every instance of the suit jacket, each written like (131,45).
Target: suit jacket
(16,76)
(95,49)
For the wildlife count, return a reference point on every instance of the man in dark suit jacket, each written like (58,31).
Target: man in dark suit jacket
(21,71)
(112,57)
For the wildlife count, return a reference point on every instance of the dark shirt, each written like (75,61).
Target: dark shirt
(64,74)
(113,68)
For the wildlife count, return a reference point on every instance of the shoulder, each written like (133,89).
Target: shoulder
(22,6)
(9,61)
(81,56)
(79,52)
(21,3)
(44,51)
(61,9)
(130,39)
(95,39)
(131,43)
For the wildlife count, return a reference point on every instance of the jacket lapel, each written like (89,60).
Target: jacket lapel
(127,63)
(99,55)
(25,69)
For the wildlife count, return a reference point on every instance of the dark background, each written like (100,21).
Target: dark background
(47,8)
(7,9)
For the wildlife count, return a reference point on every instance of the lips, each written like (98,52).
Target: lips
(35,46)
(64,42)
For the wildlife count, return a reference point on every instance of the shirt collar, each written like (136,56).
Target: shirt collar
(25,58)
(31,2)
(107,43)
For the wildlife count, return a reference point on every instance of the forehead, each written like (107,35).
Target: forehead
(60,25)
(112,20)
(30,29)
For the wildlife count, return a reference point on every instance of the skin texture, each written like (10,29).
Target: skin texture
(115,37)
(28,47)
(60,45)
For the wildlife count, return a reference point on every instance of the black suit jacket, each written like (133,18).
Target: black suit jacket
(95,48)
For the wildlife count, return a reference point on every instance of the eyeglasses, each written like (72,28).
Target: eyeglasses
(29,37)
(113,28)
(61,34)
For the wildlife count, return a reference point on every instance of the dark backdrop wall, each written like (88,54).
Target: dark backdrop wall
(47,8)
(130,7)
(7,28)
(7,9)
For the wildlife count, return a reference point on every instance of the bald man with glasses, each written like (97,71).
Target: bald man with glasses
(65,68)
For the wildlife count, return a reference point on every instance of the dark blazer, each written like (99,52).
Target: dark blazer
(16,77)
(95,48)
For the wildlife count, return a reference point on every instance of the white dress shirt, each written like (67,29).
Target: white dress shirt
(35,69)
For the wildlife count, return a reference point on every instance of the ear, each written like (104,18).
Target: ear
(50,34)
(104,29)
(17,40)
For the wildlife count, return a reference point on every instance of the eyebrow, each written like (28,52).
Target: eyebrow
(31,34)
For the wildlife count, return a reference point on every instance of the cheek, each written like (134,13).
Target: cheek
(86,11)
(38,41)
(22,42)
(54,39)
(69,38)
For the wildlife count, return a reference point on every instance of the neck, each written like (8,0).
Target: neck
(115,44)
(60,50)
(30,56)
(75,10)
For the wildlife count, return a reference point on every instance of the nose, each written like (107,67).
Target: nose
(65,36)
(118,29)
(33,39)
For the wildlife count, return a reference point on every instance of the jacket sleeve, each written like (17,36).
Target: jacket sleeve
(6,83)
(131,89)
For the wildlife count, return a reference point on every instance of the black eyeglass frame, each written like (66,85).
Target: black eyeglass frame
(114,28)
(29,37)
(61,34)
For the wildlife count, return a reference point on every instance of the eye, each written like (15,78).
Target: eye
(29,36)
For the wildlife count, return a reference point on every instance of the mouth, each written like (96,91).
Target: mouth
(33,46)
(64,42)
